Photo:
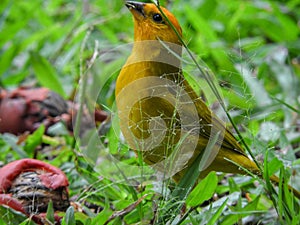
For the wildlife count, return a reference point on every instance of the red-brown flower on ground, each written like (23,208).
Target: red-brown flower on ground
(25,109)
(28,185)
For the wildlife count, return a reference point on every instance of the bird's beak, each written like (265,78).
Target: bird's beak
(136,8)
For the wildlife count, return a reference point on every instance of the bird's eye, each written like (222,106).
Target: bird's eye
(157,18)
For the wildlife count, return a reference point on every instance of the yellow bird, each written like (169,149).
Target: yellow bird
(160,114)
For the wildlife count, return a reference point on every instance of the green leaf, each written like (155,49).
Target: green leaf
(6,58)
(240,212)
(233,187)
(236,100)
(11,140)
(103,215)
(14,79)
(69,218)
(193,220)
(10,216)
(46,74)
(50,212)
(203,191)
(217,215)
(34,140)
(256,87)
(274,165)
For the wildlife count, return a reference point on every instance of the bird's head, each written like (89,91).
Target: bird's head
(150,24)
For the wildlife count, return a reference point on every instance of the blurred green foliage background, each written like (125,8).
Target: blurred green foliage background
(251,46)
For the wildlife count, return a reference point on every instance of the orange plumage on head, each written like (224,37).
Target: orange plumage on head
(149,23)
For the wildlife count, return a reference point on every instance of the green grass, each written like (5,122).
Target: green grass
(250,47)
